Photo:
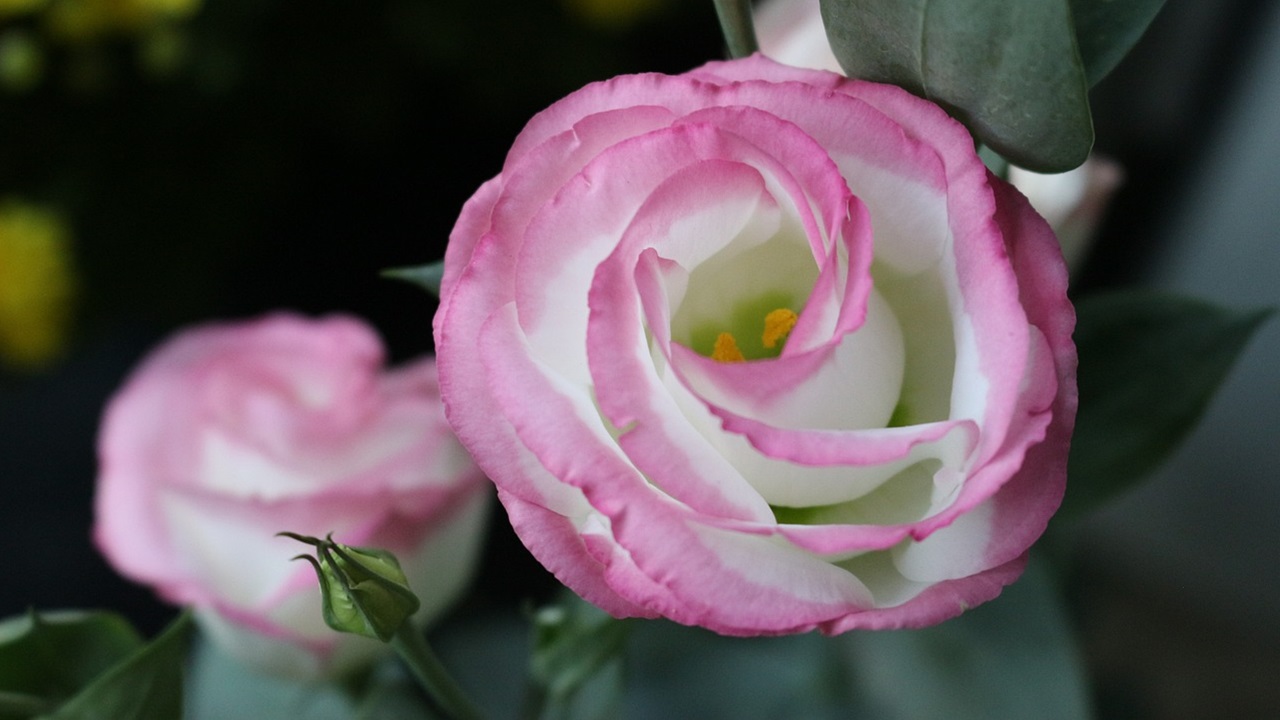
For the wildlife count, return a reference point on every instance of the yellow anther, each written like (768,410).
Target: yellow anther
(726,349)
(777,326)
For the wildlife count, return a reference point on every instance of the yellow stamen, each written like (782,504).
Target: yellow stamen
(777,326)
(726,349)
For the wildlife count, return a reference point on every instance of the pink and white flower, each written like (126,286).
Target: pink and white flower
(229,433)
(886,463)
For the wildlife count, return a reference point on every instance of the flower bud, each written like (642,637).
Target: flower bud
(364,590)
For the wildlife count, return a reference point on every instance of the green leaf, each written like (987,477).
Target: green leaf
(46,658)
(737,27)
(427,276)
(1014,657)
(1008,69)
(1149,365)
(147,685)
(1107,29)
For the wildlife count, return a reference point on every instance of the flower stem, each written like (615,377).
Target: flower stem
(412,646)
(735,23)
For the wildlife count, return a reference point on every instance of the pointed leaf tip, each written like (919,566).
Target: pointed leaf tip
(1150,364)
(427,277)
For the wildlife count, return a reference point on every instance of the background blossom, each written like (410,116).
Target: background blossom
(230,433)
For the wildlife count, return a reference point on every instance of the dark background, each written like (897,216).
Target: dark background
(298,151)
(301,147)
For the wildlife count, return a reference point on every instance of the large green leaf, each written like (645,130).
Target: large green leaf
(147,685)
(1008,69)
(1149,364)
(1107,29)
(46,658)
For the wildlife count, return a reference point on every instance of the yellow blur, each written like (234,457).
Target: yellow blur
(37,284)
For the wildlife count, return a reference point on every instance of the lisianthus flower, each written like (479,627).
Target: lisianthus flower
(761,349)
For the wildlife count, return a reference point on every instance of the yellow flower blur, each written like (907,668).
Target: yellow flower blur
(36,284)
(83,20)
(10,8)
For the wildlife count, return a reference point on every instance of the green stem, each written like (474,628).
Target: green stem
(735,23)
(412,646)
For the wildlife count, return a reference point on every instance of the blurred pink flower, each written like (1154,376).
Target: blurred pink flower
(229,433)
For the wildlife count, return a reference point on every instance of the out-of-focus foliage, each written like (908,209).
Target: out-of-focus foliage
(52,656)
(575,668)
(1149,366)
(86,665)
(145,685)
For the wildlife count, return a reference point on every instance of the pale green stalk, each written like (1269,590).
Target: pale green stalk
(412,646)
(739,31)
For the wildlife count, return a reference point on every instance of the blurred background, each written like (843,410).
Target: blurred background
(1177,589)
(170,162)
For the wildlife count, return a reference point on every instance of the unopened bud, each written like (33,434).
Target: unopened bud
(364,590)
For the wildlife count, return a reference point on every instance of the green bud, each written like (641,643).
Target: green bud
(364,590)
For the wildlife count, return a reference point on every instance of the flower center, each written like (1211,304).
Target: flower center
(777,325)
(741,303)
